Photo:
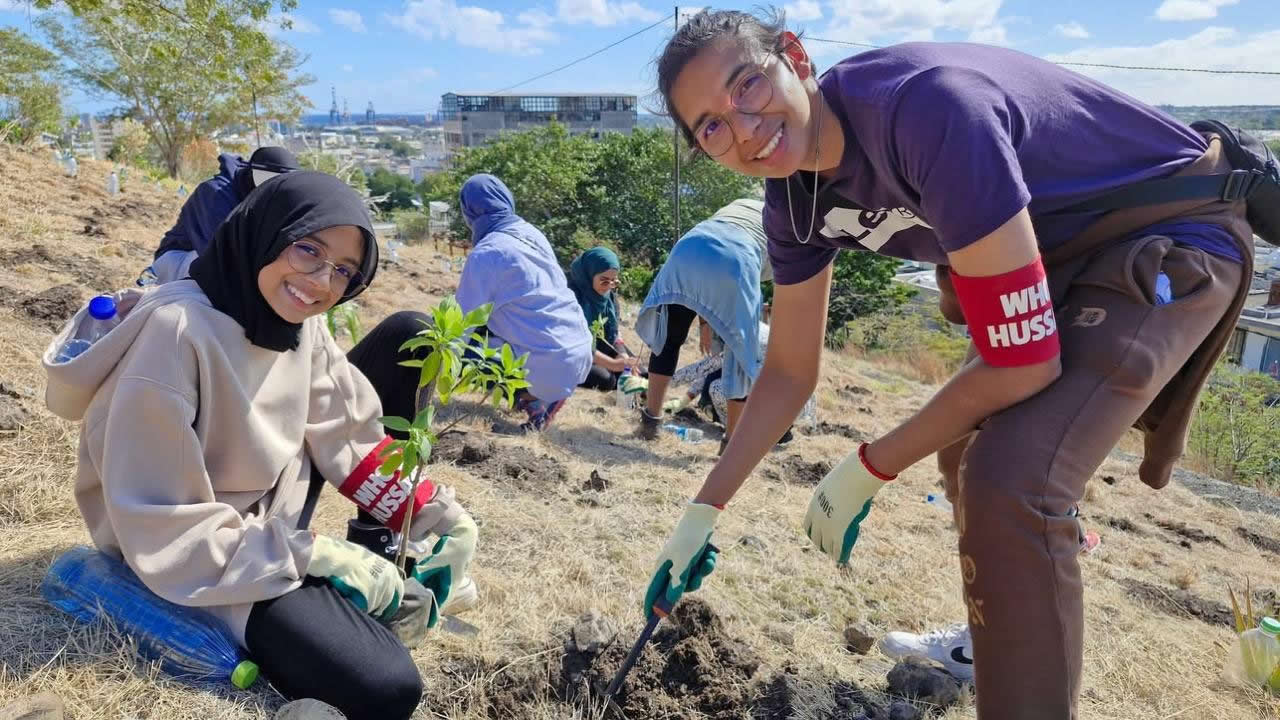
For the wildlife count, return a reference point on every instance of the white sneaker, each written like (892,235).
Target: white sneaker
(463,598)
(951,647)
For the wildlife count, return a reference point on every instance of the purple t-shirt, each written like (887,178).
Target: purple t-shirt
(945,142)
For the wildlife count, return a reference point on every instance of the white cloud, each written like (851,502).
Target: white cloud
(994,34)
(1073,30)
(273,25)
(602,12)
(537,17)
(471,26)
(896,20)
(347,68)
(803,11)
(349,19)
(1191,9)
(1213,47)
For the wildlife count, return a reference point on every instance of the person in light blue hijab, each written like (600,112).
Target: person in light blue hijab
(512,265)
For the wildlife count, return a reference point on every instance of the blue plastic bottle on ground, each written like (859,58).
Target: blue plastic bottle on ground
(102,317)
(687,434)
(189,643)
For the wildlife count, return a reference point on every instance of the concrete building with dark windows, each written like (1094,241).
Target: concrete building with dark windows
(472,119)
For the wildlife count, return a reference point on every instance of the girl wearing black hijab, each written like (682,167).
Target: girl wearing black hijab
(207,410)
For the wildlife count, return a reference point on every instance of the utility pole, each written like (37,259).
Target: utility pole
(256,134)
(675,147)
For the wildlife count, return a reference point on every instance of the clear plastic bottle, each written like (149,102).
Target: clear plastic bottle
(102,317)
(1255,658)
(113,184)
(939,501)
(686,434)
(188,642)
(626,400)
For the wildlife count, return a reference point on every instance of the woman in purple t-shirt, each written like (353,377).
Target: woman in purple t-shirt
(968,157)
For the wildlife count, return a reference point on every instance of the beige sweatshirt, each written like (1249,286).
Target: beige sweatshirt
(196,447)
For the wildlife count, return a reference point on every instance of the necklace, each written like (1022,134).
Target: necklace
(813,213)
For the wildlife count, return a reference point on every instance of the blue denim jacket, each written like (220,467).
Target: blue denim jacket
(715,271)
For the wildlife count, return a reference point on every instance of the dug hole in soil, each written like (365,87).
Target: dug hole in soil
(691,668)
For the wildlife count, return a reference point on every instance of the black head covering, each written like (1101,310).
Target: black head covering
(285,209)
(271,158)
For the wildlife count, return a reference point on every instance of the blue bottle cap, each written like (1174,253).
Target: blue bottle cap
(102,307)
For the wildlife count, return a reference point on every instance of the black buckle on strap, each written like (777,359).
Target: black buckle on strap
(1240,184)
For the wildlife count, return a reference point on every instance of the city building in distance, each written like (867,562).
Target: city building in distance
(472,118)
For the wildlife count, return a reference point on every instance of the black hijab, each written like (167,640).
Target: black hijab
(271,158)
(286,208)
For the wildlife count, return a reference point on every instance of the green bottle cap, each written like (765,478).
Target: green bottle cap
(245,674)
(1270,626)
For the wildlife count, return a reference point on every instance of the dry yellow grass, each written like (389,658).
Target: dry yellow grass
(544,558)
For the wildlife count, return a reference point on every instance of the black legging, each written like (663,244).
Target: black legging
(313,642)
(679,318)
(602,378)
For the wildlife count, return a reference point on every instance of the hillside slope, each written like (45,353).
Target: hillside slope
(555,542)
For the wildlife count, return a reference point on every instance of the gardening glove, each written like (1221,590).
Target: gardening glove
(632,384)
(447,564)
(840,503)
(687,558)
(369,581)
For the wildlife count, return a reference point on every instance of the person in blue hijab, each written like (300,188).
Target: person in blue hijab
(593,278)
(512,266)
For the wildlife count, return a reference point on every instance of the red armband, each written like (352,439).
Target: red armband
(1010,316)
(385,498)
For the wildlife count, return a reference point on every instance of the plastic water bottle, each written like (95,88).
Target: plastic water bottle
(182,192)
(73,167)
(188,642)
(102,317)
(939,501)
(113,184)
(626,400)
(1255,658)
(686,434)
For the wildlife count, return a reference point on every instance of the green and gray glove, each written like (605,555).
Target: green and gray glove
(369,581)
(447,564)
(687,558)
(840,503)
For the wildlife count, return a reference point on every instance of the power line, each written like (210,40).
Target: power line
(585,57)
(1211,71)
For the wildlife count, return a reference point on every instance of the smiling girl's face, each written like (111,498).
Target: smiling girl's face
(296,296)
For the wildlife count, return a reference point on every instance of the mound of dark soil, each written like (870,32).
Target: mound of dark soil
(53,307)
(1179,603)
(1262,542)
(511,465)
(1184,531)
(830,428)
(794,469)
(689,666)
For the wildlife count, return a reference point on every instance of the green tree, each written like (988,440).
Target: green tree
(1275,147)
(1234,430)
(131,142)
(183,69)
(546,169)
(344,170)
(399,190)
(399,148)
(30,94)
(861,284)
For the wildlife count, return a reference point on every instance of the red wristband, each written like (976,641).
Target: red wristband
(385,498)
(862,455)
(1010,316)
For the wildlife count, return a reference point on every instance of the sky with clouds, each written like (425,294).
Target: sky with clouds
(402,55)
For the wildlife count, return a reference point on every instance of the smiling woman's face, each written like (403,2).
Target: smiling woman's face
(296,296)
(773,142)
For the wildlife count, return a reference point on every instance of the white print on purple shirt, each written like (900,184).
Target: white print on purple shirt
(870,228)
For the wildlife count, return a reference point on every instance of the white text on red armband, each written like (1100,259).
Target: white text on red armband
(1010,316)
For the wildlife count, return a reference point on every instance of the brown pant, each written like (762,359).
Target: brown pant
(1014,481)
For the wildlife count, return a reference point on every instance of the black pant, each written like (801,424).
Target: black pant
(665,361)
(602,378)
(314,643)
